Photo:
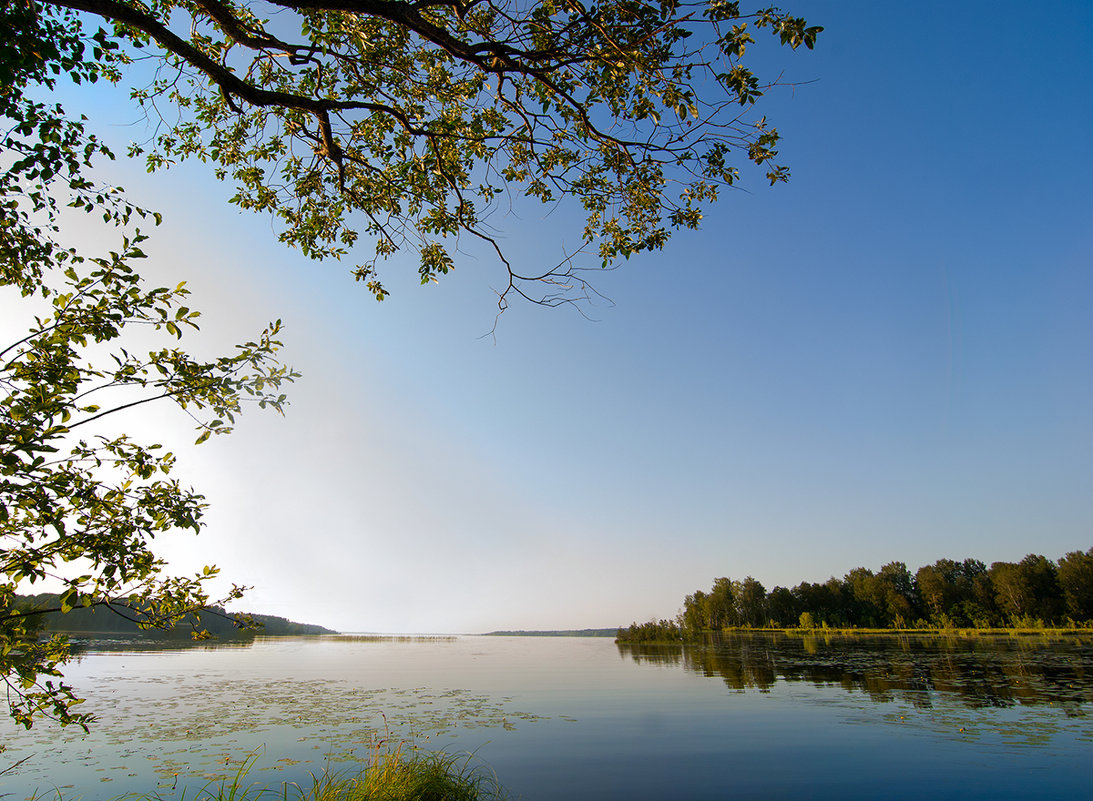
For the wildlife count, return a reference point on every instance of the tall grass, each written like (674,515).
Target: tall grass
(423,776)
(393,774)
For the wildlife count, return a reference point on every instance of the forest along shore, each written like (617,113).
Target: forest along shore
(1034,595)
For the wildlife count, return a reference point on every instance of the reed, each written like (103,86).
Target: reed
(401,773)
(394,776)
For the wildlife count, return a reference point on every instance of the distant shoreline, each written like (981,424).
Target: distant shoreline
(103,619)
(612,632)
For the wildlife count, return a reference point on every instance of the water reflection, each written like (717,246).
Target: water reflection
(181,640)
(173,712)
(921,670)
(985,715)
(81,644)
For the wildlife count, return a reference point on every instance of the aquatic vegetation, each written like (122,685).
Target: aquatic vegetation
(419,776)
(398,773)
(391,638)
(157,726)
(998,710)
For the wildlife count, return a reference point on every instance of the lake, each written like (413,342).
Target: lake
(763,716)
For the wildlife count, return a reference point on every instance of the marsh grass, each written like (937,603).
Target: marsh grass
(1041,631)
(961,631)
(421,776)
(399,773)
(933,631)
(388,638)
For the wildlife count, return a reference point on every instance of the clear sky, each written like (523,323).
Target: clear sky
(889,358)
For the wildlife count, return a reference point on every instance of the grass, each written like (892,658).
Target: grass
(434,776)
(963,631)
(955,631)
(398,774)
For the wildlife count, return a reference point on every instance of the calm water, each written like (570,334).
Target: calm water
(750,717)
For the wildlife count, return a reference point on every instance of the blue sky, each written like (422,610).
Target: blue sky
(889,358)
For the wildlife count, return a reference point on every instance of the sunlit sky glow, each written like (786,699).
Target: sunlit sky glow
(889,358)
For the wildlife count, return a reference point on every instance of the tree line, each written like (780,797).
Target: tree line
(1032,593)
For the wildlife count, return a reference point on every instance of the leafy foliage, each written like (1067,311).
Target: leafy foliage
(1032,593)
(409,121)
(78,506)
(405,121)
(653,631)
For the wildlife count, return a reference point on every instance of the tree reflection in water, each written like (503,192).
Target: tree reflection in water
(984,671)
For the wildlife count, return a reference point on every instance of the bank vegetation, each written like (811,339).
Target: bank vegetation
(1033,594)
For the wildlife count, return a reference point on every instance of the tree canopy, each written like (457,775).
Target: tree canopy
(1033,593)
(80,504)
(404,122)
(410,122)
